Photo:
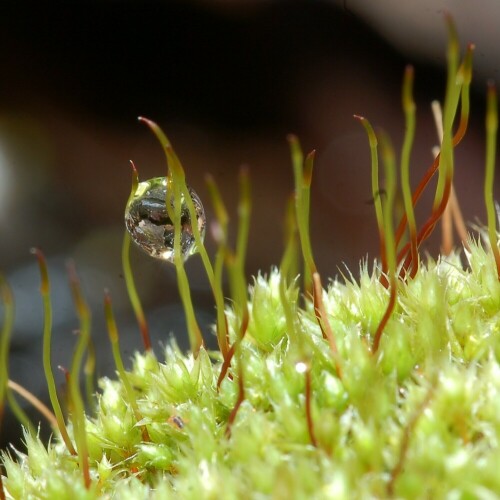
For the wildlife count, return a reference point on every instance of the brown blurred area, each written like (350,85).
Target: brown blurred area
(227,81)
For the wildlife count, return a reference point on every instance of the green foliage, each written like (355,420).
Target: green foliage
(438,382)
(386,385)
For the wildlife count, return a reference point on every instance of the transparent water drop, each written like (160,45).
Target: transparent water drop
(151,228)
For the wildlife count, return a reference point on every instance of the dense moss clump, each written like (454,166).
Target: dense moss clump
(421,421)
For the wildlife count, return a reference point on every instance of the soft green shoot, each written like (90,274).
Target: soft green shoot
(173,160)
(173,204)
(289,270)
(89,372)
(376,193)
(444,160)
(78,417)
(179,178)
(47,341)
(453,91)
(244,211)
(158,132)
(235,261)
(129,277)
(8,324)
(6,385)
(289,267)
(446,169)
(115,347)
(238,287)
(220,235)
(303,175)
(177,191)
(465,95)
(388,207)
(466,70)
(409,111)
(306,198)
(491,142)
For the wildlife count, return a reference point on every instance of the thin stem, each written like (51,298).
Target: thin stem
(47,341)
(491,139)
(390,186)
(84,317)
(288,270)
(115,347)
(177,192)
(8,324)
(89,372)
(308,398)
(238,284)
(6,393)
(244,212)
(35,402)
(129,277)
(454,91)
(303,176)
(457,138)
(409,111)
(174,198)
(324,324)
(452,214)
(220,235)
(376,193)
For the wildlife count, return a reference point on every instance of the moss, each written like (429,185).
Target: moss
(359,421)
(299,402)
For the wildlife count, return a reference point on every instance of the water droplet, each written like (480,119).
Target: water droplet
(150,226)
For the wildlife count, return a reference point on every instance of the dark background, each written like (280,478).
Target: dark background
(227,82)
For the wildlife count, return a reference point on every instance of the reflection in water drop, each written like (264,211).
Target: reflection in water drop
(150,226)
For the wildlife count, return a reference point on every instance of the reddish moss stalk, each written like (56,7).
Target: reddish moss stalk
(405,441)
(239,401)
(235,264)
(309,418)
(457,90)
(324,324)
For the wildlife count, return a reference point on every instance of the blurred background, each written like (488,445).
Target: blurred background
(227,81)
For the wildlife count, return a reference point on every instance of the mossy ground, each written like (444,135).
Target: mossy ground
(421,420)
(382,385)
